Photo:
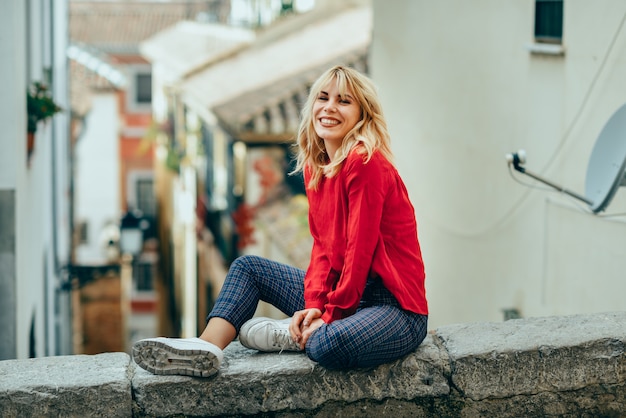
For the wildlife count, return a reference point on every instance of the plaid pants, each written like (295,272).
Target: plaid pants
(379,332)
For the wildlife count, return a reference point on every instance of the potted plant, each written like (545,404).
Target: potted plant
(40,107)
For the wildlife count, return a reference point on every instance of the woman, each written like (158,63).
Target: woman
(362,301)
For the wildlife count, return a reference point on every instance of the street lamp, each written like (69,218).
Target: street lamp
(131,244)
(131,233)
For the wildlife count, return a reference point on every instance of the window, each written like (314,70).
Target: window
(139,88)
(146,202)
(83,232)
(143,88)
(143,276)
(549,21)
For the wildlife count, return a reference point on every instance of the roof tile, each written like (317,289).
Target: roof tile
(119,27)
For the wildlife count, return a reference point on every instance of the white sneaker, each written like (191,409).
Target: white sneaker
(266,334)
(183,356)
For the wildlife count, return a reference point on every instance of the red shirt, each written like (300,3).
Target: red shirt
(363,224)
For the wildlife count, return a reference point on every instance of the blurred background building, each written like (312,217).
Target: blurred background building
(463,84)
(226,105)
(170,155)
(35,181)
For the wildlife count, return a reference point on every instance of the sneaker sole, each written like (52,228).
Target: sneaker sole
(159,358)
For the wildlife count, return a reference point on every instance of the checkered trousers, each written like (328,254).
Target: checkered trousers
(379,332)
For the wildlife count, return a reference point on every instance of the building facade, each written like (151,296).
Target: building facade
(463,84)
(35,209)
(229,111)
(114,153)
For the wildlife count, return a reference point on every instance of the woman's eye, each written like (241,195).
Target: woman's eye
(346,102)
(323,98)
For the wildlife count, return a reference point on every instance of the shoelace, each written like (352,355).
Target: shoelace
(282,339)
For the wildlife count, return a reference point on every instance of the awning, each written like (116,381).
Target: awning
(272,113)
(257,94)
(188,46)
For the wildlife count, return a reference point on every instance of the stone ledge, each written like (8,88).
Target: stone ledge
(571,366)
(535,355)
(251,383)
(67,386)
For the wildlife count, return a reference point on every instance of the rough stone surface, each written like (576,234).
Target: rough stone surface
(66,386)
(252,383)
(531,356)
(566,367)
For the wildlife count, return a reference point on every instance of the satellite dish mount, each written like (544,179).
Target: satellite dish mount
(606,171)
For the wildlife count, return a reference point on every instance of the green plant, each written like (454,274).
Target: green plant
(40,105)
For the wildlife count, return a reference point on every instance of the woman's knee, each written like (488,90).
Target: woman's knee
(247,264)
(245,261)
(328,349)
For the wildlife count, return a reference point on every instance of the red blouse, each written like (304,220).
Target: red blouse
(363,224)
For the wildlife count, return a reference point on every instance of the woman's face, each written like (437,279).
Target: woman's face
(334,115)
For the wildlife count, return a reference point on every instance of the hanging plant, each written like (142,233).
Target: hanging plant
(40,105)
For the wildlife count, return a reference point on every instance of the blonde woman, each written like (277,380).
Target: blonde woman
(362,300)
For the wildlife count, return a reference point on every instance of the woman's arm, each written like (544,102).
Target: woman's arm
(366,185)
(316,280)
(316,283)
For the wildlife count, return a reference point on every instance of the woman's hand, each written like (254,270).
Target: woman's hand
(303,323)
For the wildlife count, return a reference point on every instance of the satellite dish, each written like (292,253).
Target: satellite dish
(607,164)
(606,170)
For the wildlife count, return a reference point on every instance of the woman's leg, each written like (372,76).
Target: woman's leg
(249,280)
(372,336)
(219,331)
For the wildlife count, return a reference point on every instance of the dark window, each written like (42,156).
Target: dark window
(549,21)
(146,201)
(83,233)
(144,276)
(143,88)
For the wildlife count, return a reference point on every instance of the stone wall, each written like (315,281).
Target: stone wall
(571,366)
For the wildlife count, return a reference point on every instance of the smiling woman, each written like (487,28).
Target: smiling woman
(335,114)
(350,88)
(362,300)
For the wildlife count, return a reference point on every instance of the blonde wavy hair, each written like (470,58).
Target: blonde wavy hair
(369,134)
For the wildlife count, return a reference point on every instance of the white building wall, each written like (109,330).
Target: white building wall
(12,163)
(58,304)
(35,245)
(97,177)
(460,90)
(12,98)
(33,204)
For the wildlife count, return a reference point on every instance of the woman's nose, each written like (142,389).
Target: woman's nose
(330,106)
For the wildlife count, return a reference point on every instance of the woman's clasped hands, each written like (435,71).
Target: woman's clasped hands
(303,324)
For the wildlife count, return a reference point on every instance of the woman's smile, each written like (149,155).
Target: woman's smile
(329,122)
(335,115)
